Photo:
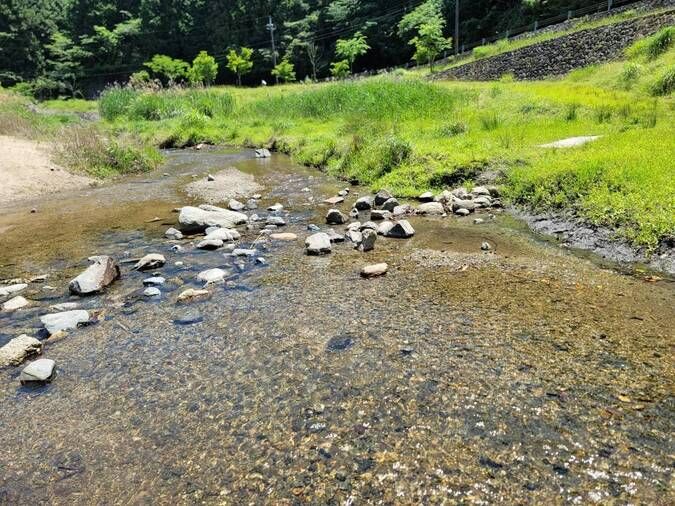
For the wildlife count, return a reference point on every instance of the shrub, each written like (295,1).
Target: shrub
(652,47)
(664,84)
(452,129)
(115,102)
(489,121)
(630,74)
(483,51)
(571,112)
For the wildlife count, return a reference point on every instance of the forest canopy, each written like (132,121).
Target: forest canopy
(77,47)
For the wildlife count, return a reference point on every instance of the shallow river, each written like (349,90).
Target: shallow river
(526,375)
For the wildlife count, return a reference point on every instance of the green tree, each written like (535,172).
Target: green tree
(240,62)
(428,21)
(64,65)
(350,49)
(285,71)
(204,69)
(339,69)
(168,70)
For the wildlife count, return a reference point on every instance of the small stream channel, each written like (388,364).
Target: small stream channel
(525,375)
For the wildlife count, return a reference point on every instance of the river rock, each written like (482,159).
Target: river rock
(480,190)
(333,201)
(313,228)
(150,261)
(210,178)
(368,239)
(364,203)
(444,197)
(374,270)
(197,219)
(390,204)
(433,208)
(401,210)
(335,217)
(482,201)
(378,215)
(426,197)
(354,236)
(64,306)
(177,248)
(251,204)
(318,244)
(173,233)
(334,236)
(243,252)
(463,204)
(462,212)
(277,221)
(40,371)
(212,276)
(284,236)
(354,213)
(343,193)
(210,244)
(152,291)
(223,234)
(400,230)
(460,193)
(191,294)
(495,192)
(10,289)
(275,208)
(154,281)
(381,197)
(355,225)
(485,246)
(262,153)
(18,349)
(385,227)
(235,205)
(96,277)
(369,225)
(478,221)
(65,320)
(15,303)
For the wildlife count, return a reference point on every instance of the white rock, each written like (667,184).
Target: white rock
(318,244)
(435,208)
(371,271)
(235,205)
(262,153)
(173,233)
(15,303)
(275,208)
(191,294)
(426,197)
(65,320)
(197,219)
(241,252)
(284,236)
(150,261)
(152,292)
(41,370)
(153,281)
(334,200)
(399,230)
(65,306)
(10,289)
(101,273)
(210,244)
(212,276)
(223,234)
(277,221)
(18,349)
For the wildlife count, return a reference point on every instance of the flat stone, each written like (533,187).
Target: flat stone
(335,217)
(368,239)
(65,306)
(65,320)
(155,280)
(197,219)
(235,205)
(381,197)
(463,204)
(10,289)
(571,142)
(318,244)
(378,214)
(364,203)
(401,210)
(334,200)
(284,236)
(101,273)
(150,261)
(40,371)
(480,190)
(426,197)
(15,303)
(275,208)
(276,221)
(368,225)
(210,244)
(212,276)
(343,193)
(462,212)
(223,234)
(335,237)
(262,153)
(433,208)
(152,292)
(191,294)
(374,270)
(173,233)
(18,349)
(242,252)
(482,201)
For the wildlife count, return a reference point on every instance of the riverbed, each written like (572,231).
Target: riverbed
(526,374)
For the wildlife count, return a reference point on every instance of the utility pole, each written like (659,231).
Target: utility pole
(270,27)
(456,27)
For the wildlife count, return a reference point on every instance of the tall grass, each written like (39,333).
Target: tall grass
(652,47)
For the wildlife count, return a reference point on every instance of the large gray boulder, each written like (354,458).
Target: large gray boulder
(433,208)
(18,349)
(381,197)
(197,219)
(101,273)
(364,203)
(469,205)
(335,217)
(400,230)
(66,320)
(426,197)
(390,204)
(318,244)
(368,238)
(40,371)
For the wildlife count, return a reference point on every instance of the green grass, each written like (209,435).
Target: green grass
(410,136)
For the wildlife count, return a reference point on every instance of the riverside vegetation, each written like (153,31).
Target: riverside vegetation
(409,135)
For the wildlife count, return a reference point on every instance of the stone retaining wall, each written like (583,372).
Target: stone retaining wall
(563,54)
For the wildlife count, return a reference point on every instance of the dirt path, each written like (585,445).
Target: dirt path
(27,171)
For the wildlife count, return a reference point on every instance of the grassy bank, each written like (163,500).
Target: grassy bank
(411,136)
(81,146)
